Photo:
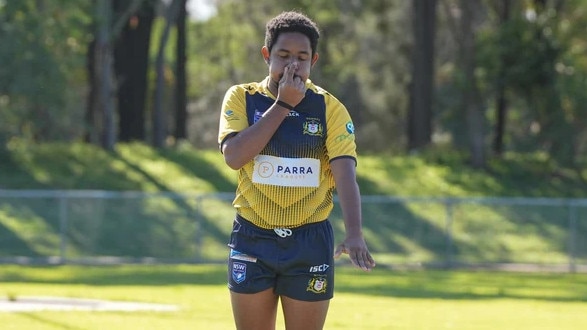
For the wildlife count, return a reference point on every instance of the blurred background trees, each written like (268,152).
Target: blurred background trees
(480,77)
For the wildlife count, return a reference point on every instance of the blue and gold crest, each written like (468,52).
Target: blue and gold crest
(313,127)
(317,284)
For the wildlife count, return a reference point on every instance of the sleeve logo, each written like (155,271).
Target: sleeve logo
(350,128)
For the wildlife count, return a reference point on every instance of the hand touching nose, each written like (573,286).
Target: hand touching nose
(291,87)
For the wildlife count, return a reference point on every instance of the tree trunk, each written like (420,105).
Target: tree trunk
(159,122)
(471,98)
(180,76)
(103,75)
(91,120)
(500,93)
(132,62)
(422,86)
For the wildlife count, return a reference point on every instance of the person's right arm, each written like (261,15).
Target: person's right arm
(244,146)
(248,143)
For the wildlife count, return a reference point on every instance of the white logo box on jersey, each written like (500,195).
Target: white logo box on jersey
(287,172)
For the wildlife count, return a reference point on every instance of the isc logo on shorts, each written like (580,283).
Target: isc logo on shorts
(319,268)
(239,272)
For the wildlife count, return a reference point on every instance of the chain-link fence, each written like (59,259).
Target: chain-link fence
(122,227)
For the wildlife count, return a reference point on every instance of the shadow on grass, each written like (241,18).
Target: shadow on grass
(201,168)
(50,321)
(128,227)
(119,275)
(448,285)
(18,177)
(416,230)
(11,244)
(138,229)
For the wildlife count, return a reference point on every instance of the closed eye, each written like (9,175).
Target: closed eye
(303,56)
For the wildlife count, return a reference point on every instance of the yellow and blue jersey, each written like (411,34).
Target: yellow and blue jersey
(289,183)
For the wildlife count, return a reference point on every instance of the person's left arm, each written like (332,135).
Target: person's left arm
(344,172)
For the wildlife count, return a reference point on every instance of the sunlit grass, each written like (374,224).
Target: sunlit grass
(31,229)
(382,299)
(407,232)
(137,166)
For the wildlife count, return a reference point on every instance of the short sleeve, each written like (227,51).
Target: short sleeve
(340,138)
(233,117)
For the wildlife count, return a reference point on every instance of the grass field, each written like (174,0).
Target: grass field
(197,229)
(382,299)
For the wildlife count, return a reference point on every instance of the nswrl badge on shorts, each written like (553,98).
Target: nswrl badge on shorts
(239,272)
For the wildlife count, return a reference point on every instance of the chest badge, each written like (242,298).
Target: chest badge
(313,127)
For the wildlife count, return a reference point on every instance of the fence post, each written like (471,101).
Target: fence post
(449,220)
(63,229)
(572,237)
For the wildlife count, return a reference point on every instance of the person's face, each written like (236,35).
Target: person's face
(290,47)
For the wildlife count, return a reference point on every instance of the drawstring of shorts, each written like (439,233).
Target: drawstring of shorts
(283,232)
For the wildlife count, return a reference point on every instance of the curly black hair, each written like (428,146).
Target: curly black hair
(291,21)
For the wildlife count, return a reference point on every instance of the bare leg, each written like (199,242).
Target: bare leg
(256,311)
(304,315)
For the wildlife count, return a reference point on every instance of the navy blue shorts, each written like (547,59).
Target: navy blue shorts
(297,263)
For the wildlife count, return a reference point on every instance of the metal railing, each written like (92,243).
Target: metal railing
(93,227)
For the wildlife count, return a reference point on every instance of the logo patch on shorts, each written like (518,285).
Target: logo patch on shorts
(239,272)
(317,284)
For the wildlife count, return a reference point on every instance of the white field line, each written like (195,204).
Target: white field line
(37,304)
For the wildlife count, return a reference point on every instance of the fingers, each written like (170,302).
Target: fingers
(363,260)
(292,88)
(369,262)
(288,73)
(360,256)
(338,251)
(291,69)
(290,77)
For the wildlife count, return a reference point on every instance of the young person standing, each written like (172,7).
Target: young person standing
(292,144)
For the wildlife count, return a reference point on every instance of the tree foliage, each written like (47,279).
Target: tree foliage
(537,55)
(515,78)
(42,58)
